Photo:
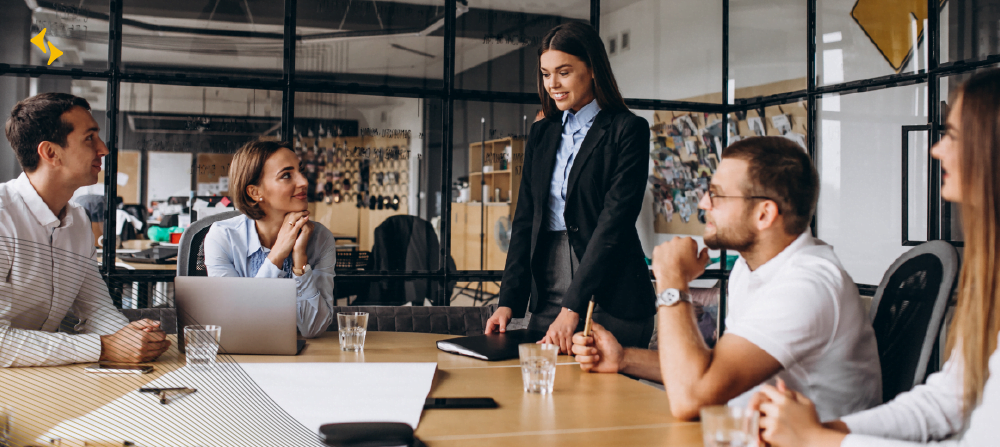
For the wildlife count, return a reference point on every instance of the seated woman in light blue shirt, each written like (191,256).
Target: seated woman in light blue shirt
(274,237)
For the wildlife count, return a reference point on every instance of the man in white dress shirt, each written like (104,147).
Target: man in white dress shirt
(46,246)
(794,312)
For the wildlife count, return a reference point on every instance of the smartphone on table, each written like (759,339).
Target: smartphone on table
(114,368)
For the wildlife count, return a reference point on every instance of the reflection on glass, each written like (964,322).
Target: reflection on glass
(59,33)
(205,36)
(969,29)
(767,47)
(375,43)
(186,137)
(860,40)
(363,157)
(859,161)
(674,48)
(497,41)
(477,293)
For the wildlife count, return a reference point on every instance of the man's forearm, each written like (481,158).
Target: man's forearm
(642,363)
(684,358)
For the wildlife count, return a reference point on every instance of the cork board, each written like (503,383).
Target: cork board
(211,169)
(128,170)
(681,153)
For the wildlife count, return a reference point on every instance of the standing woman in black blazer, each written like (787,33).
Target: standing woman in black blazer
(573,236)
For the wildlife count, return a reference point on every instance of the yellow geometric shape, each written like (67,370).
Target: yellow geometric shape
(39,40)
(888,23)
(55,53)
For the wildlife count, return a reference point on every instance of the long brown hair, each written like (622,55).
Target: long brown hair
(582,41)
(977,317)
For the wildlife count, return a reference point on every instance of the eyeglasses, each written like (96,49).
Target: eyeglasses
(712,196)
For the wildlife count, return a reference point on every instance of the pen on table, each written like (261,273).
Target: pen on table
(157,390)
(590,318)
(162,392)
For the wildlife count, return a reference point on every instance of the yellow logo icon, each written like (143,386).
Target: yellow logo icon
(891,26)
(40,42)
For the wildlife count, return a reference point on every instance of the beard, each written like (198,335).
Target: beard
(740,238)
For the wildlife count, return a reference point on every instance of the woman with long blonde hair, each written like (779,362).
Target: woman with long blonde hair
(961,402)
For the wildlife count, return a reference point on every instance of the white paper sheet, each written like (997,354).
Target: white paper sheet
(234,404)
(323,393)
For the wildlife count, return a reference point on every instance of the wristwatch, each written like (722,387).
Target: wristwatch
(301,271)
(670,297)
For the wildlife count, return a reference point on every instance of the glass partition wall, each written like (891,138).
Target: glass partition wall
(414,114)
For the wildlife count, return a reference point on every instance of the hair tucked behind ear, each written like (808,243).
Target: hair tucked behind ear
(246,169)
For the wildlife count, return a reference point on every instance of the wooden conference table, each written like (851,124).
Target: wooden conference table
(585,409)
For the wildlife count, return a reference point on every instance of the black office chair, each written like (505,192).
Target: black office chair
(452,320)
(907,311)
(139,212)
(405,243)
(191,255)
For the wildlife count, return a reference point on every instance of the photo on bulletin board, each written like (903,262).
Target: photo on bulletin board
(686,152)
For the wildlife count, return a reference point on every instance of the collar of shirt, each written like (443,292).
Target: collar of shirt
(765,273)
(253,239)
(583,118)
(38,208)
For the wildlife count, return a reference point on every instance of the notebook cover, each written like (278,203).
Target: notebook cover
(493,347)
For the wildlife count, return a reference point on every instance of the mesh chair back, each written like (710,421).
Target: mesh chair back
(452,320)
(191,255)
(907,310)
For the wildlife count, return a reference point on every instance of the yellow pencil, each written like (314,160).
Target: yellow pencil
(590,318)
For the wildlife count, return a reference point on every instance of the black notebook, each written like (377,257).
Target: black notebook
(496,346)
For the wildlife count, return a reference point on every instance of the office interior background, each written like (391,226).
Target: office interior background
(421,107)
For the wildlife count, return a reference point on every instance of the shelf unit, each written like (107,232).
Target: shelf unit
(474,239)
(503,171)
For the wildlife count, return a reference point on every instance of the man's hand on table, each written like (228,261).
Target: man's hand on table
(138,342)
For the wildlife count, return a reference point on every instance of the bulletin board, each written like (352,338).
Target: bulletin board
(128,176)
(686,151)
(213,174)
(687,148)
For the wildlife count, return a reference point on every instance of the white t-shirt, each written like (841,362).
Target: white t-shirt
(803,309)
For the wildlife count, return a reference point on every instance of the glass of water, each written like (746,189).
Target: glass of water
(352,327)
(538,366)
(201,344)
(725,426)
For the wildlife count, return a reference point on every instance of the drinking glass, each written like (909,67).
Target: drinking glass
(538,366)
(352,327)
(201,344)
(725,426)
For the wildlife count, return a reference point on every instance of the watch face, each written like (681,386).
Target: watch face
(668,297)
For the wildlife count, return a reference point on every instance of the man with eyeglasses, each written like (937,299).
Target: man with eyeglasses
(794,313)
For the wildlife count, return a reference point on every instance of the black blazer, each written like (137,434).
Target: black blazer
(603,198)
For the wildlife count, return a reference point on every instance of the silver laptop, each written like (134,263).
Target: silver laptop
(257,315)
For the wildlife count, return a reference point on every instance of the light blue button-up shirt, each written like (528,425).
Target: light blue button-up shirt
(232,248)
(575,128)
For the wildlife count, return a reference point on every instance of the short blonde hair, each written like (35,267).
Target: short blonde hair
(246,169)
